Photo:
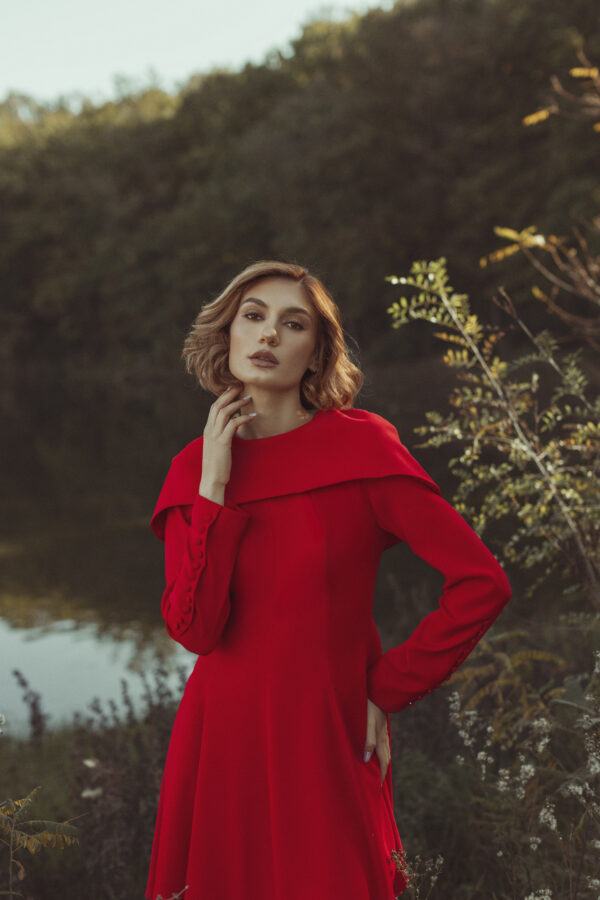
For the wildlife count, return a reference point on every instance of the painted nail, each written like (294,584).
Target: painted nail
(367,755)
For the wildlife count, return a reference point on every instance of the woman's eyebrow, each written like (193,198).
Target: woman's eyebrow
(288,309)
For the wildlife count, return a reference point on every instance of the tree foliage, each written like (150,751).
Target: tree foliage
(379,139)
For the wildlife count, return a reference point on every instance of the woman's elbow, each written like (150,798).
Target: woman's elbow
(502,588)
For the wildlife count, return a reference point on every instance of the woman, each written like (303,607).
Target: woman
(277,783)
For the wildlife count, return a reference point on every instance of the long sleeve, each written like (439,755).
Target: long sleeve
(200,553)
(475,590)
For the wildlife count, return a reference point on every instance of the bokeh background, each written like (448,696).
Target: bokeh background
(147,154)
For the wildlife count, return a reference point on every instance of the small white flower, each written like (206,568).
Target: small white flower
(546,815)
(90,763)
(573,788)
(593,765)
(527,772)
(542,724)
(503,781)
(91,793)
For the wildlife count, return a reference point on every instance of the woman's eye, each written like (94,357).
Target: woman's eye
(291,321)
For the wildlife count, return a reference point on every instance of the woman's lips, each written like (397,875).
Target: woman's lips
(262,363)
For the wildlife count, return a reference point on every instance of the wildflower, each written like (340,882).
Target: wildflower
(542,724)
(90,763)
(91,793)
(454,703)
(546,815)
(525,774)
(543,743)
(503,781)
(534,842)
(593,764)
(573,788)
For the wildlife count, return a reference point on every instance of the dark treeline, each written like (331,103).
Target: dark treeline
(392,136)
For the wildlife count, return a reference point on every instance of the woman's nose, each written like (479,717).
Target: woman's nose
(269,333)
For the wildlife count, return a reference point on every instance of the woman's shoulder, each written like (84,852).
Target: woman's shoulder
(189,454)
(365,420)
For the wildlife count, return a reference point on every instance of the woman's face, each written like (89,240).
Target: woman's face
(273,315)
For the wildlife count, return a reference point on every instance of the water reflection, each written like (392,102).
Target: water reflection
(69,664)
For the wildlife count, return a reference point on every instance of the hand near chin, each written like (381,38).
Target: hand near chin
(221,424)
(377,738)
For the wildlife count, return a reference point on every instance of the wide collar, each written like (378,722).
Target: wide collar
(335,445)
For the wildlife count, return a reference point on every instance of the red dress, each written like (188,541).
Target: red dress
(265,795)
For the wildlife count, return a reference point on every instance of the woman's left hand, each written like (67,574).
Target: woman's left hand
(377,737)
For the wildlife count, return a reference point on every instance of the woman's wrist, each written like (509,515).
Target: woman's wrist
(212,491)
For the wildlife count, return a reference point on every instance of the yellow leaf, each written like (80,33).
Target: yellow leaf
(534,118)
(580,72)
(509,233)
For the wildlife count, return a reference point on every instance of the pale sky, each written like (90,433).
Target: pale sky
(54,47)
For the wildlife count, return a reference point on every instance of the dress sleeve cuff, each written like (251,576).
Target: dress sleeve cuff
(205,511)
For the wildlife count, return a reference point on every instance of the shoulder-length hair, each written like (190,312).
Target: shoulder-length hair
(206,348)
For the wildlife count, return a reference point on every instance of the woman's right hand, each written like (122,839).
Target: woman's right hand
(220,427)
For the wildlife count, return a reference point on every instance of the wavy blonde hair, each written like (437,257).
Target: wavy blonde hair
(206,348)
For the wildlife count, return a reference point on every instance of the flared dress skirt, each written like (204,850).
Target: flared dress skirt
(265,794)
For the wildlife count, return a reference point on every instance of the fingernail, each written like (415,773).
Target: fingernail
(251,414)
(367,755)
(247,397)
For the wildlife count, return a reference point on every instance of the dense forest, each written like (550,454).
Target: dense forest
(391,136)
